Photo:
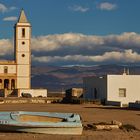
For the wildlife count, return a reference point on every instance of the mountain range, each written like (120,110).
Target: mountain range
(56,78)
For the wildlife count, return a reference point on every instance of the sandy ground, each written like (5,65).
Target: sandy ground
(89,113)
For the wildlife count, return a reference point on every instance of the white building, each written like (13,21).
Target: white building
(113,89)
(16,74)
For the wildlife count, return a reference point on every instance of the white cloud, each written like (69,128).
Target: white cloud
(74,48)
(6,47)
(12,18)
(79,8)
(4,8)
(67,40)
(125,40)
(12,8)
(126,56)
(107,6)
(75,41)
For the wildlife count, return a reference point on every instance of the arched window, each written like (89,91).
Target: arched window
(12,84)
(0,83)
(5,69)
(6,84)
(23,32)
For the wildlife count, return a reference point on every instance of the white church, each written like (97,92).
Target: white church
(15,75)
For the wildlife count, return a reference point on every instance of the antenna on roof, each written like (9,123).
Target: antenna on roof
(128,71)
(124,72)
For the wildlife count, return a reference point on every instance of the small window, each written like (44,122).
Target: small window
(23,32)
(23,55)
(122,92)
(5,69)
(23,42)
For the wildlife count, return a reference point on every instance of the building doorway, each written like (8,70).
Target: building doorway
(95,93)
(13,84)
(6,83)
(0,84)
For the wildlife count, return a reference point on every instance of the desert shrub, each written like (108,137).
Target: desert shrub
(103,123)
(128,127)
(90,127)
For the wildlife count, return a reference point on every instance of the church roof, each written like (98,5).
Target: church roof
(22,17)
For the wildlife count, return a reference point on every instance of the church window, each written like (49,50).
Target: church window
(5,69)
(0,83)
(122,92)
(23,42)
(23,32)
(23,55)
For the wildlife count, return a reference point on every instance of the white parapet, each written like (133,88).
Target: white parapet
(33,92)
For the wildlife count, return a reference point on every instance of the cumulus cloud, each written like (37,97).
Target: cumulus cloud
(88,42)
(12,8)
(67,40)
(4,8)
(107,6)
(6,47)
(126,56)
(12,18)
(77,48)
(79,8)
(125,40)
(74,48)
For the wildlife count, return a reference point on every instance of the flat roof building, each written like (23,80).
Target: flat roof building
(113,89)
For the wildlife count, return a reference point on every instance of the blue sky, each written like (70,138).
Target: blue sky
(61,16)
(76,32)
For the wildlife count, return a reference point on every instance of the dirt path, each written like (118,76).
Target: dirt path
(89,113)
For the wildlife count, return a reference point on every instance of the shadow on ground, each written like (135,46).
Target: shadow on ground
(115,108)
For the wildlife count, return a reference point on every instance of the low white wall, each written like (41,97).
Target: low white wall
(34,92)
(39,92)
(11,68)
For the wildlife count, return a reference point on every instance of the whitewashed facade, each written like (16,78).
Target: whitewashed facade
(34,92)
(15,75)
(113,89)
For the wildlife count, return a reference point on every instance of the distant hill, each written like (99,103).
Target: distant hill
(61,78)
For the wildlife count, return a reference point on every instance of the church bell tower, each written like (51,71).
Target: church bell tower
(22,52)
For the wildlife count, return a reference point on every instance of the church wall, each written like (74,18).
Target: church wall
(11,69)
(23,83)
(23,46)
(23,58)
(23,70)
(15,74)
(27,33)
